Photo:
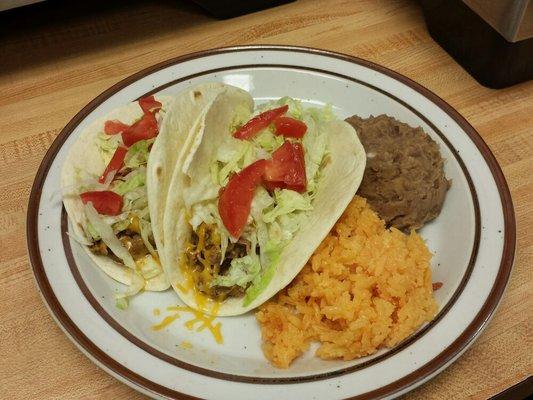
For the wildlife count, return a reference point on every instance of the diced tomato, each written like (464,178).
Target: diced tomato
(286,169)
(113,127)
(259,122)
(149,104)
(437,285)
(290,127)
(145,128)
(235,199)
(115,164)
(104,202)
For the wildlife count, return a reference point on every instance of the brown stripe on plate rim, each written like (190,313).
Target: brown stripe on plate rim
(413,379)
(282,380)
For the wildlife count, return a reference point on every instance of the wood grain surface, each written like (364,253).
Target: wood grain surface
(55,58)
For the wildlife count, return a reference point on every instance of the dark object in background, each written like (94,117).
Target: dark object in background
(522,390)
(479,48)
(233,8)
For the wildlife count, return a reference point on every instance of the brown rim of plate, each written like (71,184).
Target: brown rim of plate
(409,381)
(298,379)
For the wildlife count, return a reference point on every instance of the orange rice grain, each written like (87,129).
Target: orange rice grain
(364,288)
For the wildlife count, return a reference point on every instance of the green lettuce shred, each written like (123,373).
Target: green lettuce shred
(287,201)
(241,271)
(134,179)
(107,144)
(137,154)
(122,303)
(271,257)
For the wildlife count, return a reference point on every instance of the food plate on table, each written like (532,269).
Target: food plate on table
(270,221)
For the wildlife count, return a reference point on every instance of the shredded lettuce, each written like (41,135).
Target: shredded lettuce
(146,232)
(137,201)
(284,228)
(119,222)
(90,232)
(268,141)
(121,225)
(133,180)
(262,201)
(121,303)
(107,144)
(202,213)
(137,154)
(136,285)
(231,157)
(113,219)
(149,267)
(143,213)
(315,146)
(269,260)
(84,241)
(108,236)
(241,271)
(295,106)
(287,201)
(324,114)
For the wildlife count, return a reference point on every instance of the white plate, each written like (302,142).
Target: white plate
(473,241)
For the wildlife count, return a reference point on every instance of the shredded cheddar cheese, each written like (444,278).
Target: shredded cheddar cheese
(199,276)
(186,345)
(166,322)
(199,323)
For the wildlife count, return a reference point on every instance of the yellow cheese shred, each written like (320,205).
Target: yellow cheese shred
(186,345)
(166,322)
(199,323)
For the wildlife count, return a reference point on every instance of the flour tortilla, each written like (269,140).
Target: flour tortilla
(341,177)
(85,156)
(182,120)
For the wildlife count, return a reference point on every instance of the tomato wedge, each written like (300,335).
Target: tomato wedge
(114,126)
(104,202)
(115,164)
(259,122)
(235,199)
(290,127)
(149,104)
(145,128)
(286,169)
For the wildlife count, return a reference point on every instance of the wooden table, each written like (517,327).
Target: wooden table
(51,69)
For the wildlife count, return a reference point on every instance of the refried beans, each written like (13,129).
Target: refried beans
(404,177)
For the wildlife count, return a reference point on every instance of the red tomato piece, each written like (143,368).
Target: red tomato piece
(115,126)
(105,202)
(290,127)
(145,128)
(115,164)
(286,169)
(259,122)
(235,199)
(149,104)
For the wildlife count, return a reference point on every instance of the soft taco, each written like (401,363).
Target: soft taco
(107,184)
(253,198)
(179,129)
